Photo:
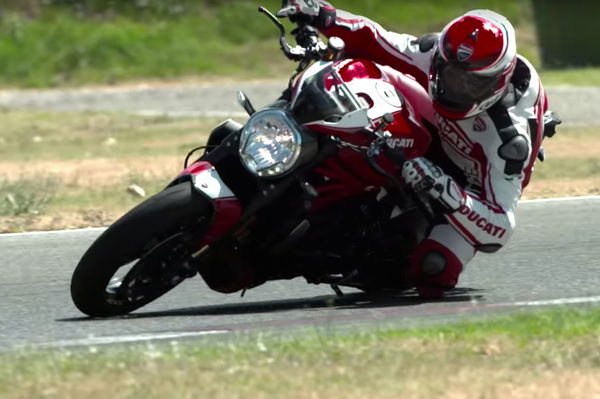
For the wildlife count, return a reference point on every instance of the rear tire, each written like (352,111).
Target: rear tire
(159,217)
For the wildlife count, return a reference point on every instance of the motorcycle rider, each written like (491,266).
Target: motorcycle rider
(489,108)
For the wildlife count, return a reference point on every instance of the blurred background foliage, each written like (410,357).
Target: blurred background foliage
(45,43)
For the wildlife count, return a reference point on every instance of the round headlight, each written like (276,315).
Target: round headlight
(270,143)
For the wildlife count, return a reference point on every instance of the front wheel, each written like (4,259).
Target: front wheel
(152,238)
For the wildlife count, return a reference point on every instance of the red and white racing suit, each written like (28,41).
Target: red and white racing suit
(491,155)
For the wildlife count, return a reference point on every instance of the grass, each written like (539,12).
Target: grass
(66,43)
(39,136)
(26,196)
(573,153)
(550,354)
(571,77)
(121,47)
(70,170)
(92,159)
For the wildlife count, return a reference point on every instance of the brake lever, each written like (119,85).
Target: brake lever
(293,53)
(274,19)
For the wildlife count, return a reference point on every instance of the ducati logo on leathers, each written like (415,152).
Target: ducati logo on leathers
(459,150)
(449,134)
(482,223)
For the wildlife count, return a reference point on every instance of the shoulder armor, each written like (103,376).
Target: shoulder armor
(515,152)
(520,80)
(426,42)
(516,149)
(515,146)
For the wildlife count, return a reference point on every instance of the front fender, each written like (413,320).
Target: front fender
(206,180)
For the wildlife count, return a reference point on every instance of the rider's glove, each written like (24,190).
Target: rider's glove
(307,8)
(317,13)
(425,177)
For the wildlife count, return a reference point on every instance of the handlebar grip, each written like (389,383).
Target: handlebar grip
(395,155)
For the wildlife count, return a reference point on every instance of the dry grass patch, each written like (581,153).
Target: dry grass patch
(573,143)
(435,365)
(62,220)
(550,354)
(465,383)
(94,157)
(95,172)
(87,193)
(565,187)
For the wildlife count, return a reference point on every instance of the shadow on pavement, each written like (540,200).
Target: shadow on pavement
(347,301)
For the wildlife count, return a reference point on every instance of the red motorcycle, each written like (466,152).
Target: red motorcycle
(307,188)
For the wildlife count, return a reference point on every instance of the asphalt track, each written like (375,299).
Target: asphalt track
(577,106)
(553,259)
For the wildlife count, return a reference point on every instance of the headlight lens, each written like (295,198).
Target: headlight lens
(270,143)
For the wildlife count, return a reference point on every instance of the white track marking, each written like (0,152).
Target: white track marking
(562,199)
(128,339)
(99,229)
(557,302)
(146,337)
(34,233)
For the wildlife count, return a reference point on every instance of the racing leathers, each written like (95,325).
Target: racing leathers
(490,156)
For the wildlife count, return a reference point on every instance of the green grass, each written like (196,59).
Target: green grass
(59,44)
(108,52)
(39,136)
(543,352)
(72,43)
(571,77)
(27,196)
(69,43)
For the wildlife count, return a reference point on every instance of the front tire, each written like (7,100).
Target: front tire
(135,234)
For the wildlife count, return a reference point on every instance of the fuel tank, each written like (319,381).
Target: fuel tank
(320,103)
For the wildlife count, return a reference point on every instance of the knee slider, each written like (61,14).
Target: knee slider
(433,264)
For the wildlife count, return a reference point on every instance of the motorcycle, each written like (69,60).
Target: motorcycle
(307,187)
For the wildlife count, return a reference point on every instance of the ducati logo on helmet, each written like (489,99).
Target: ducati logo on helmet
(464,52)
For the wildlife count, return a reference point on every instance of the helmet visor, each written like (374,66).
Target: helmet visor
(459,89)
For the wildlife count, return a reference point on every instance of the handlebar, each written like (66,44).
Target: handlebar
(311,47)
(397,156)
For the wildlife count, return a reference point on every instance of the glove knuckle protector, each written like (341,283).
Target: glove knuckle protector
(426,177)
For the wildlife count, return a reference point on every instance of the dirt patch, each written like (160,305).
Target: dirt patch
(80,176)
(562,188)
(88,183)
(572,146)
(78,219)
(95,172)
(554,384)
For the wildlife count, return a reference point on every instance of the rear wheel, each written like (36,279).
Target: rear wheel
(142,255)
